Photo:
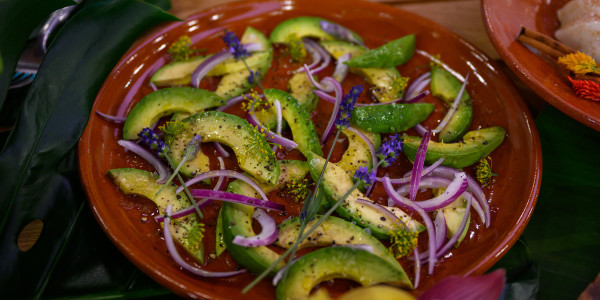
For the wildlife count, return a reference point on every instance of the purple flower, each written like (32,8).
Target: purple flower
(151,139)
(235,47)
(390,150)
(347,106)
(365,175)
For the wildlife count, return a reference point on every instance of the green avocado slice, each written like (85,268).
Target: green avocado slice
(386,83)
(164,102)
(335,231)
(299,27)
(389,55)
(390,118)
(475,145)
(302,127)
(253,153)
(446,87)
(237,219)
(336,262)
(143,183)
(336,183)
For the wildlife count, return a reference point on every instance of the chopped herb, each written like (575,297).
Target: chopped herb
(484,171)
(182,49)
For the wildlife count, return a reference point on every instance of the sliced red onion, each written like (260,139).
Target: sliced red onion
(272,136)
(282,271)
(175,254)
(440,230)
(453,108)
(418,166)
(325,88)
(417,267)
(162,169)
(341,69)
(418,85)
(267,236)
(236,198)
(417,97)
(326,58)
(432,182)
(474,187)
(325,96)
(153,86)
(373,155)
(458,233)
(420,129)
(225,173)
(337,87)
(222,151)
(483,287)
(378,207)
(426,219)
(315,57)
(208,65)
(452,192)
(339,32)
(202,203)
(114,119)
(406,178)
(279,118)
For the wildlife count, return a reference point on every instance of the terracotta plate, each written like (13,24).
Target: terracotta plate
(503,20)
(128,220)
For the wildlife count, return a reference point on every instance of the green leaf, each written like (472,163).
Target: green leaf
(389,55)
(18,18)
(38,160)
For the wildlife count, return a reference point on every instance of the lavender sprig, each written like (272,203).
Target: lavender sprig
(152,140)
(347,106)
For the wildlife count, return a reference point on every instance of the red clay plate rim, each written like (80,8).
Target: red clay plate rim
(566,103)
(95,196)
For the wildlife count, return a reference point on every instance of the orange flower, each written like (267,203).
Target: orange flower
(579,63)
(586,89)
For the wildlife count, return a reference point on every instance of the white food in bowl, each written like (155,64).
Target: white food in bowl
(580,26)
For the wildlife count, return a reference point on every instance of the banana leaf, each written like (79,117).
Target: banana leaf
(18,19)
(561,256)
(563,234)
(40,174)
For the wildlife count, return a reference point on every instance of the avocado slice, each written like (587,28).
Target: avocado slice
(164,102)
(180,72)
(254,155)
(386,83)
(475,145)
(301,88)
(305,26)
(237,219)
(358,154)
(335,231)
(302,127)
(390,55)
(336,183)
(236,82)
(379,292)
(454,213)
(446,87)
(336,262)
(390,118)
(143,183)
